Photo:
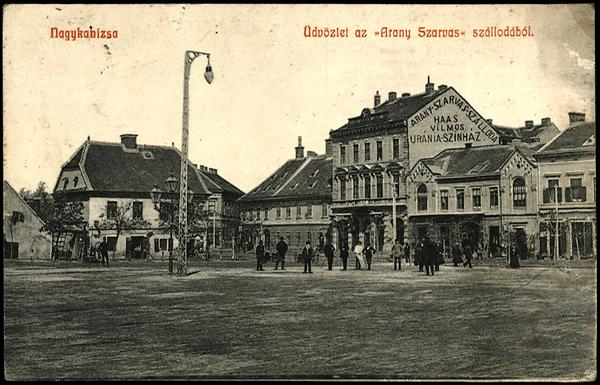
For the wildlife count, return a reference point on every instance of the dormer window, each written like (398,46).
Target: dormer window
(147,154)
(75,180)
(294,187)
(314,174)
(65,183)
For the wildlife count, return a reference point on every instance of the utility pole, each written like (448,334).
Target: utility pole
(394,224)
(556,229)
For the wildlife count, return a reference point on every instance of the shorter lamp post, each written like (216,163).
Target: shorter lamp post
(157,198)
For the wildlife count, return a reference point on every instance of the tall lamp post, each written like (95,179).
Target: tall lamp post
(157,197)
(189,58)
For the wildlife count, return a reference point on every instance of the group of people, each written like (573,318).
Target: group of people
(428,255)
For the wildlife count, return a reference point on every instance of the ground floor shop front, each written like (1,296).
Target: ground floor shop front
(570,235)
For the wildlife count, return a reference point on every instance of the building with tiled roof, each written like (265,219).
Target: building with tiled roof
(23,237)
(532,135)
(484,196)
(567,193)
(104,175)
(293,202)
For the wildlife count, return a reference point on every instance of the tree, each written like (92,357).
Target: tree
(62,217)
(121,220)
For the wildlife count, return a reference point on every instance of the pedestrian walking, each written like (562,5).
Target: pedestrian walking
(468,255)
(358,253)
(369,251)
(456,254)
(104,251)
(260,255)
(397,255)
(407,252)
(329,251)
(419,255)
(307,255)
(344,255)
(282,249)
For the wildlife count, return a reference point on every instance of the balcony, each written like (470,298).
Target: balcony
(575,194)
(550,194)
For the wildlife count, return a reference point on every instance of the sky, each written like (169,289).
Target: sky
(272,84)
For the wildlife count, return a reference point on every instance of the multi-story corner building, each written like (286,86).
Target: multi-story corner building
(105,176)
(373,152)
(294,203)
(485,196)
(567,193)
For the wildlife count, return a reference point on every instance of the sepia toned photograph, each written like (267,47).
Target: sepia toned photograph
(299,192)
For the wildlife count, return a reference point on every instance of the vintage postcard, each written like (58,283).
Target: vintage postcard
(299,191)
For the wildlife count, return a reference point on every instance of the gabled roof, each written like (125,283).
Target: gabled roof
(574,137)
(109,167)
(470,161)
(524,133)
(8,189)
(307,177)
(397,110)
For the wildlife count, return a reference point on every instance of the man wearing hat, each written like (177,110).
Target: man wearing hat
(307,255)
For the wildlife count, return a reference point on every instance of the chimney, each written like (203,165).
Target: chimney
(212,170)
(129,141)
(546,122)
(468,145)
(442,87)
(576,117)
(489,121)
(377,99)
(529,123)
(311,154)
(429,87)
(391,96)
(299,149)
(203,168)
(405,94)
(328,147)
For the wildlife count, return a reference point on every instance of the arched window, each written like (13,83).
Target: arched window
(519,193)
(422,197)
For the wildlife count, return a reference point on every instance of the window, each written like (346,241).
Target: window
(324,210)
(379,186)
(422,197)
(75,181)
(396,179)
(111,209)
(257,214)
(444,199)
(266,214)
(278,213)
(367,187)
(519,193)
(309,211)
(162,244)
(288,212)
(211,206)
(298,211)
(460,199)
(553,193)
(138,210)
(396,148)
(379,150)
(577,192)
(112,243)
(355,187)
(355,152)
(367,152)
(342,154)
(342,189)
(309,237)
(493,196)
(476,191)
(65,183)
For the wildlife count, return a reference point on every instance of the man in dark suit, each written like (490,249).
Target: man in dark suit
(307,255)
(260,254)
(104,251)
(329,250)
(344,255)
(428,255)
(369,251)
(282,248)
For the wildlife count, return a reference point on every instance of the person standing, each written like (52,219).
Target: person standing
(260,254)
(407,252)
(307,255)
(428,254)
(369,255)
(329,250)
(104,251)
(468,255)
(438,257)
(344,255)
(397,255)
(282,249)
(456,255)
(419,255)
(358,254)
